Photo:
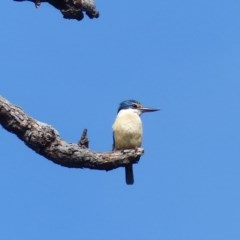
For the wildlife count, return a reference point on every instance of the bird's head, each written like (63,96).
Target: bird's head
(136,106)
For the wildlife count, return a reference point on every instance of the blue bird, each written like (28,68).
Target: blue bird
(128,131)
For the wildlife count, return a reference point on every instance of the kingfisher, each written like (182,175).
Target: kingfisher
(128,130)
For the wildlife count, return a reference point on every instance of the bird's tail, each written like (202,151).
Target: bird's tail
(129,174)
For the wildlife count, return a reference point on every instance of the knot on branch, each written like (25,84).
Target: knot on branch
(74,9)
(39,138)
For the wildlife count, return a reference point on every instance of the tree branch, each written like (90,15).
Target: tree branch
(45,140)
(71,9)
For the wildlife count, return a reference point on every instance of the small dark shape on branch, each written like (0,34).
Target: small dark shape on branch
(84,142)
(71,9)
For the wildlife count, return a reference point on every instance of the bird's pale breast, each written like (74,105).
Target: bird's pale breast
(127,130)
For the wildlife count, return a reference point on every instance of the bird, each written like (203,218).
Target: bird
(128,130)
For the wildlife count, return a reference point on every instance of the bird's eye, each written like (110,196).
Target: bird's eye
(134,105)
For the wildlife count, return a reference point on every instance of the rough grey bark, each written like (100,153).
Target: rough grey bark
(45,140)
(71,9)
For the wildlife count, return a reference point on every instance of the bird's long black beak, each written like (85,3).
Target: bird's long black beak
(144,109)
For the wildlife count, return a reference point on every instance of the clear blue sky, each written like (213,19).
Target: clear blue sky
(180,56)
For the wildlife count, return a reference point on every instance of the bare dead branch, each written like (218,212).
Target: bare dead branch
(45,140)
(71,9)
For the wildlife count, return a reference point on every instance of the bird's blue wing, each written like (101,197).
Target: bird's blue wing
(113,145)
